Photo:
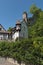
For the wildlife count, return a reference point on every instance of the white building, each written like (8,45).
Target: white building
(4,35)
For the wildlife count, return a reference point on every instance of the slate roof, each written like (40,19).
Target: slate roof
(4,30)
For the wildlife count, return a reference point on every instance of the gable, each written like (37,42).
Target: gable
(2,28)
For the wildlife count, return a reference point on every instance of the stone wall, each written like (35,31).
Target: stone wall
(9,61)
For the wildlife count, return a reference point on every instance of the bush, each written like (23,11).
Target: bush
(26,50)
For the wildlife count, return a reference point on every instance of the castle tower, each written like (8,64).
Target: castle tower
(21,28)
(25,16)
(18,25)
(16,35)
(24,26)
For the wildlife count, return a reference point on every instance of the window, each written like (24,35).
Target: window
(0,29)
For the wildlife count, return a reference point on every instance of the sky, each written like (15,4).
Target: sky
(11,10)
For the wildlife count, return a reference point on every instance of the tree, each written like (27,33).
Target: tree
(10,29)
(37,28)
(34,9)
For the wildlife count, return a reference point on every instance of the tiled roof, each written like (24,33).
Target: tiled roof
(2,27)
(5,32)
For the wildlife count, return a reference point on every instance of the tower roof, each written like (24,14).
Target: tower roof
(18,22)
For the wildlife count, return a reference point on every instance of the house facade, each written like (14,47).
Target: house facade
(4,35)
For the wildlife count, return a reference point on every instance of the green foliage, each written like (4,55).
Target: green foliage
(36,33)
(27,50)
(37,29)
(34,9)
(10,29)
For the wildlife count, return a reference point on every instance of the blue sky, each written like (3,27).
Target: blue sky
(11,10)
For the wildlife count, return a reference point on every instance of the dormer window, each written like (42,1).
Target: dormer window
(0,29)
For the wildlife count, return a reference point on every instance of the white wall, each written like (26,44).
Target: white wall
(3,36)
(15,35)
